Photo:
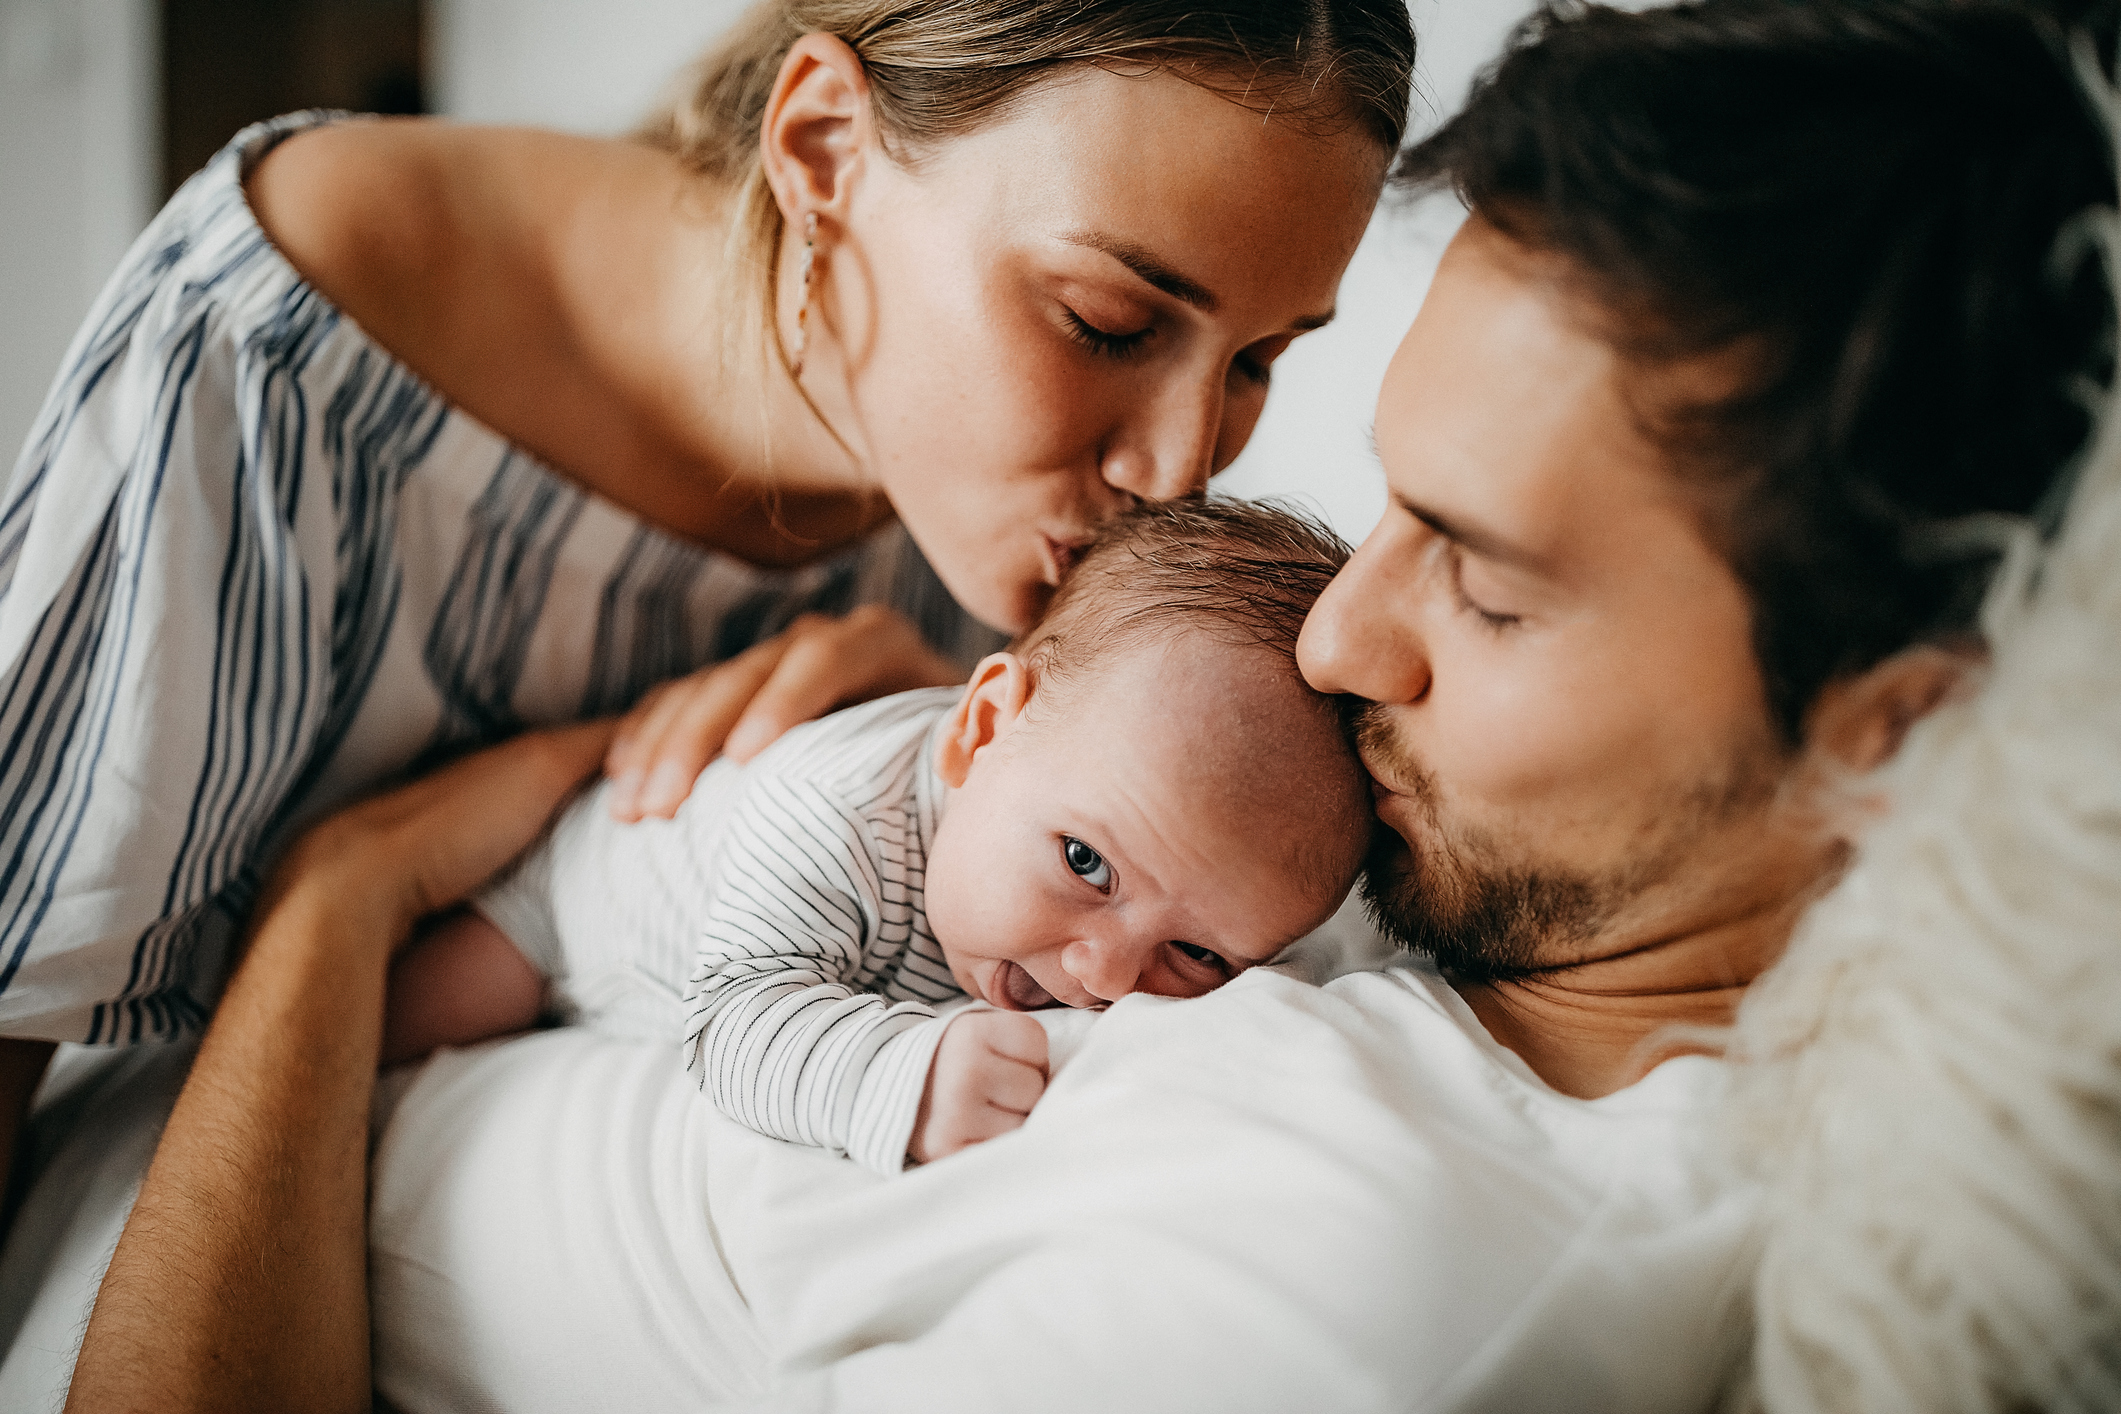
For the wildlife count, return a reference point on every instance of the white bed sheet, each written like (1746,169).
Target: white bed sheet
(1278,1197)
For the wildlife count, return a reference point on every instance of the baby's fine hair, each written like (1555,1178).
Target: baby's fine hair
(1244,571)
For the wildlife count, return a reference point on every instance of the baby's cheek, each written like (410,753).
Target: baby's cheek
(971,901)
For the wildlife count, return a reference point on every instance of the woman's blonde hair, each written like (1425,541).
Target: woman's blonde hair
(939,68)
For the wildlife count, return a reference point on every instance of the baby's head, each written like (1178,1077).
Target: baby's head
(1148,798)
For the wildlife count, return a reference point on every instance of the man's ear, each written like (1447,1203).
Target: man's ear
(993,701)
(815,125)
(1859,722)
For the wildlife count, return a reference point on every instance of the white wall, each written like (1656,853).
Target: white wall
(588,66)
(78,156)
(596,68)
(1313,445)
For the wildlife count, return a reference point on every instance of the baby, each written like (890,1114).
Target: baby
(1142,797)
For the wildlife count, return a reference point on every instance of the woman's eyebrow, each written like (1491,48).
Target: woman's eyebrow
(1154,272)
(1138,259)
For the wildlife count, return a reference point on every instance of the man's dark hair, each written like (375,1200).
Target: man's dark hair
(1245,571)
(1864,197)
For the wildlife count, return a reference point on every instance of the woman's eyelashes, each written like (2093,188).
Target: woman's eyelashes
(1086,864)
(1104,342)
(1256,361)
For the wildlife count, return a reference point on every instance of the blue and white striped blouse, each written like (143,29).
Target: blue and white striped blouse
(250,566)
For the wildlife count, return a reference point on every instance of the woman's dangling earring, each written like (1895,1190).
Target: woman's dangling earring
(802,312)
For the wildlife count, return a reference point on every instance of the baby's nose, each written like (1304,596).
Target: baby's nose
(1106,969)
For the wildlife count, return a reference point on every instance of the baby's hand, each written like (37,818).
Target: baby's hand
(989,1070)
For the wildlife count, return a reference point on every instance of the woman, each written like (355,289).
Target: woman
(392,438)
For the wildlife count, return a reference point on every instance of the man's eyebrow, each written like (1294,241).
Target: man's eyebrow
(1484,543)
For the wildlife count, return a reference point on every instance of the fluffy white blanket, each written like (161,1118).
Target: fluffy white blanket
(1934,1088)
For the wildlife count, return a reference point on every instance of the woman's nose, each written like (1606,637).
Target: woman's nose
(1105,968)
(1169,451)
(1363,636)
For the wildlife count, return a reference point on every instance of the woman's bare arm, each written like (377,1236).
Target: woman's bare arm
(240,1282)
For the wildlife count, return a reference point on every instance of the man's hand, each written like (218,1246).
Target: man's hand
(989,1070)
(423,846)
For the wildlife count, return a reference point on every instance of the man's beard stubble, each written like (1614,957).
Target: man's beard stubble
(1479,922)
(1486,917)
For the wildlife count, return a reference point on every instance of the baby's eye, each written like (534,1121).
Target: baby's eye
(1194,952)
(1086,862)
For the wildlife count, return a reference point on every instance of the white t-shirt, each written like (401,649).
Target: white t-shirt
(1277,1197)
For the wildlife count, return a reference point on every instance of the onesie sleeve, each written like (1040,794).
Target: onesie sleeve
(782,1034)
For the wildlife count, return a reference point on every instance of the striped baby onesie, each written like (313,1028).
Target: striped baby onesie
(791,893)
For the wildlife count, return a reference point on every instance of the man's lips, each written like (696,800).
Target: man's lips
(1394,807)
(1015,990)
(1381,789)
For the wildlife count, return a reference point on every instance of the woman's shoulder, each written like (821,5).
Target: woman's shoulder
(514,271)
(402,223)
(347,202)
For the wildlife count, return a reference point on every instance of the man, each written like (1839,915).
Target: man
(1757,303)
(1677,452)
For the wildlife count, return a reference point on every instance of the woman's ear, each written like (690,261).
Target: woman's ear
(993,701)
(1859,722)
(816,124)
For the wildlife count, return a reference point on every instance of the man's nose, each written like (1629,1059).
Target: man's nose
(1106,968)
(1364,635)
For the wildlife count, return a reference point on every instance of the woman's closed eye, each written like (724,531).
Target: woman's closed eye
(1255,362)
(1086,864)
(1105,343)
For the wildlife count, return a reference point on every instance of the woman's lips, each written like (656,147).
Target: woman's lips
(1017,991)
(1061,556)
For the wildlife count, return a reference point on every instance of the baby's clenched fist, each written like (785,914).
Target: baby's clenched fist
(989,1070)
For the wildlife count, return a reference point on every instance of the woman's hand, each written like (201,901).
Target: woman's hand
(741,706)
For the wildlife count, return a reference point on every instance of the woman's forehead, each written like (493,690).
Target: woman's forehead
(1155,163)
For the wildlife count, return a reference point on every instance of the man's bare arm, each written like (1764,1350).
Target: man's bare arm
(240,1281)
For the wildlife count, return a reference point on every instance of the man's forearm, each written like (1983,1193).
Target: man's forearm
(240,1282)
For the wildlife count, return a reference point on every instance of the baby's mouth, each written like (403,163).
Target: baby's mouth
(1017,989)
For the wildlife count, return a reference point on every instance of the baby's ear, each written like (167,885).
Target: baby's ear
(993,700)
